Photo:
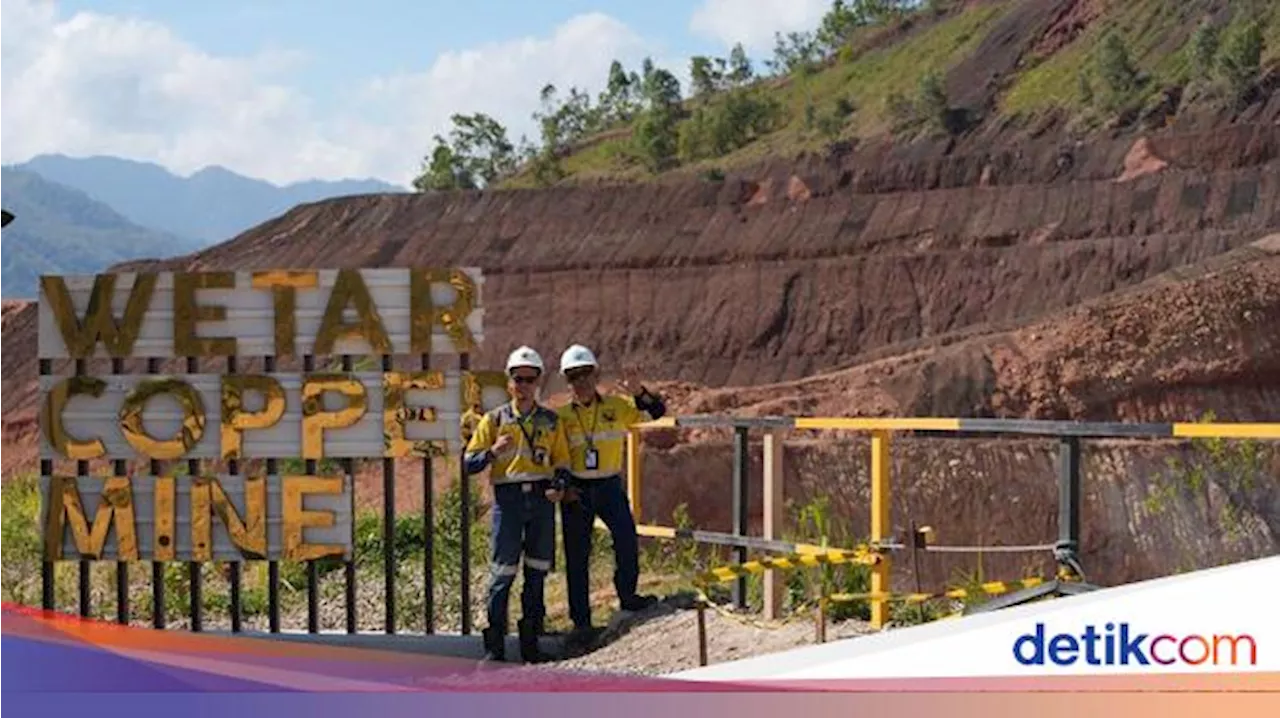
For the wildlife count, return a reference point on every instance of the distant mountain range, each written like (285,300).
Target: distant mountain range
(81,215)
(59,230)
(211,206)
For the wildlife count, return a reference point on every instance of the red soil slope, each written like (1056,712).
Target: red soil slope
(902,281)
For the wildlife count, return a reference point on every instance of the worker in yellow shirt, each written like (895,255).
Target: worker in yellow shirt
(524,447)
(596,428)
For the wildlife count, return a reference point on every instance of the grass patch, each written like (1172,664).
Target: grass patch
(667,568)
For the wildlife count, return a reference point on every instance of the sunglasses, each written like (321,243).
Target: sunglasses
(577,374)
(525,379)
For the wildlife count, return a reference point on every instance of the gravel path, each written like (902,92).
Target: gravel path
(664,640)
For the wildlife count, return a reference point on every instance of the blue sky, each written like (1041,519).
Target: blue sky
(348,40)
(287,90)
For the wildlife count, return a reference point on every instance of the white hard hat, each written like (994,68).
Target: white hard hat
(526,357)
(576,356)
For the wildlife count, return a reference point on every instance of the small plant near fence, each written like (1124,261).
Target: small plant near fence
(1237,467)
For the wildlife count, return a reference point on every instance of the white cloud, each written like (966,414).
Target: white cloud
(99,84)
(505,79)
(753,22)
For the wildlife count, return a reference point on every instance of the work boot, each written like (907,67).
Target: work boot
(638,602)
(583,638)
(495,648)
(529,649)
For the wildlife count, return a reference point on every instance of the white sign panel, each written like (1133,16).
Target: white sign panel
(255,308)
(428,415)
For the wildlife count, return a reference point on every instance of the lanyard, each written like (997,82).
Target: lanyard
(595,421)
(520,423)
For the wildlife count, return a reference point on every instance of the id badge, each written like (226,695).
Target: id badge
(593,460)
(540,456)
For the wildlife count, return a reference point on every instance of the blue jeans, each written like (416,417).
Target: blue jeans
(607,499)
(524,523)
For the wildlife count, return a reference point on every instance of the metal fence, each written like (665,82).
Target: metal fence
(235,568)
(1066,549)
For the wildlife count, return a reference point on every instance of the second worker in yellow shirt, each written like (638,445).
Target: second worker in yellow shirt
(596,428)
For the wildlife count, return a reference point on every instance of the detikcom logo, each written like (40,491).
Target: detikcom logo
(1121,645)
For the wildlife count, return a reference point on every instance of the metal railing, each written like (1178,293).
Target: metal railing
(1066,550)
(195,575)
(881,431)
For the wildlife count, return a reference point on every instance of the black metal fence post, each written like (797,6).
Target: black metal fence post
(120,467)
(389,529)
(235,568)
(273,566)
(47,576)
(82,470)
(1069,503)
(741,466)
(195,570)
(349,567)
(159,612)
(429,535)
(313,573)
(464,364)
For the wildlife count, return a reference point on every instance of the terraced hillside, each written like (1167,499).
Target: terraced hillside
(1002,272)
(804,297)
(933,79)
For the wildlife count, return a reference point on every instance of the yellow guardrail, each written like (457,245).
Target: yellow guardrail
(881,430)
(1217,430)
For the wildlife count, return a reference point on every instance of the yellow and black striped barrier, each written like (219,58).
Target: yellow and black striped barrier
(729,573)
(862,555)
(990,588)
(726,539)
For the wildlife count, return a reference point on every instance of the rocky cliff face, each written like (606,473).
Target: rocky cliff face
(755,281)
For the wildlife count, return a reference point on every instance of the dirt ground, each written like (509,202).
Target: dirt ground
(665,640)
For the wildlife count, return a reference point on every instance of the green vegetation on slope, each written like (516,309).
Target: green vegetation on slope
(876,68)
(1122,62)
(642,123)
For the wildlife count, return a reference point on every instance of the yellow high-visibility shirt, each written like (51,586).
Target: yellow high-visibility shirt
(602,425)
(522,459)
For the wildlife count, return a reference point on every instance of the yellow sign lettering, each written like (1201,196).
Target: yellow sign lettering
(297,519)
(235,420)
(249,535)
(66,511)
(473,386)
(351,289)
(425,315)
(81,336)
(284,286)
(395,414)
(192,421)
(55,431)
(165,542)
(315,418)
(187,313)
